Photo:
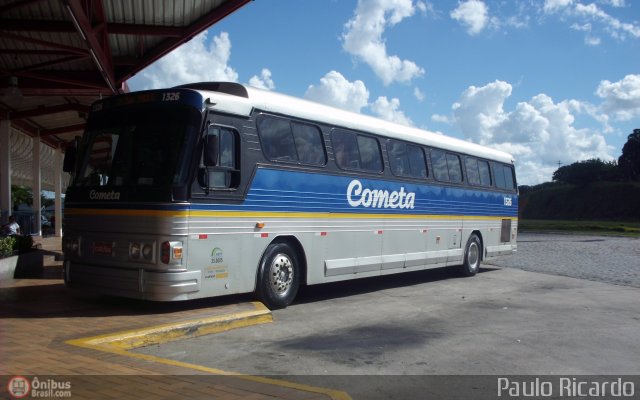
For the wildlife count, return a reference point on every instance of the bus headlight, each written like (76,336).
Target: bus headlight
(134,250)
(147,251)
(142,251)
(71,246)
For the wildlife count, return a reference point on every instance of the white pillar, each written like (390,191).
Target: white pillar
(36,185)
(5,169)
(57,179)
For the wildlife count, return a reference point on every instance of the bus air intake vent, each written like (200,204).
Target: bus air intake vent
(505,231)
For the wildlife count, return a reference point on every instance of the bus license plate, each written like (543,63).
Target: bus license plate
(103,248)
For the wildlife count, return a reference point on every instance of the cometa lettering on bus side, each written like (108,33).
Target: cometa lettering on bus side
(112,195)
(376,198)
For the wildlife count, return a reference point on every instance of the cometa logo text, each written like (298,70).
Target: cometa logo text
(376,198)
(112,195)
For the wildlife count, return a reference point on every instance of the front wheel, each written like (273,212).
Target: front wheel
(278,276)
(472,256)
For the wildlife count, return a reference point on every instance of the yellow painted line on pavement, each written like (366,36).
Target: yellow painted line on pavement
(122,342)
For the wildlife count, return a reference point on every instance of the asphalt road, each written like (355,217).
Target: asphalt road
(355,335)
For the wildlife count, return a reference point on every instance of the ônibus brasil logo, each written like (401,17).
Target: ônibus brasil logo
(19,387)
(357,196)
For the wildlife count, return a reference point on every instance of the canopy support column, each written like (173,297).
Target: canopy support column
(5,170)
(57,179)
(36,186)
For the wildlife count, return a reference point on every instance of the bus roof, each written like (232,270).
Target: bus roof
(239,99)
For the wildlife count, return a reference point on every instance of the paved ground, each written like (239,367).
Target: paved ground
(608,259)
(351,336)
(503,321)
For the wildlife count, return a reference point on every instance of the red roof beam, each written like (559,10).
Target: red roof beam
(16,4)
(62,129)
(42,52)
(65,60)
(95,39)
(18,25)
(39,111)
(77,79)
(44,43)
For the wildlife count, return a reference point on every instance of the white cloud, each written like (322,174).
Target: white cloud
(616,28)
(418,94)
(263,81)
(390,110)
(615,3)
(194,61)
(592,40)
(621,99)
(443,119)
(592,17)
(473,14)
(552,6)
(335,90)
(539,133)
(363,38)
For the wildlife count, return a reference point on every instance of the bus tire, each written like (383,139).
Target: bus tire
(472,256)
(278,276)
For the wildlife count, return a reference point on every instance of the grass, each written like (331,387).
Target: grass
(631,229)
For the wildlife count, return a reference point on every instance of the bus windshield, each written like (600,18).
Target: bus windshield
(137,147)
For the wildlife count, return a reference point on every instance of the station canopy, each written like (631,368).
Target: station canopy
(59,56)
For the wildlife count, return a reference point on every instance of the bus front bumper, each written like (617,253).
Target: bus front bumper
(132,283)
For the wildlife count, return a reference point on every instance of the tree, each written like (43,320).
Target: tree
(585,172)
(19,195)
(629,161)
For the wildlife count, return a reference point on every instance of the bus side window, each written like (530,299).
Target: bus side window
(455,169)
(439,161)
(473,174)
(504,177)
(369,153)
(499,172)
(219,164)
(485,173)
(406,160)
(345,149)
(277,138)
(308,140)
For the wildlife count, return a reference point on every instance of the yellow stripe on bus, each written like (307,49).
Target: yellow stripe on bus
(272,214)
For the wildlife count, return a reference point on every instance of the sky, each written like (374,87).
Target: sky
(551,82)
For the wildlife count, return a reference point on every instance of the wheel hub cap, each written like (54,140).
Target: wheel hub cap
(281,273)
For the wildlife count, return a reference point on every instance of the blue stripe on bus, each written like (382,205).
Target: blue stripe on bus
(291,191)
(304,192)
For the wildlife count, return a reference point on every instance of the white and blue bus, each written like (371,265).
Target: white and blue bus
(216,188)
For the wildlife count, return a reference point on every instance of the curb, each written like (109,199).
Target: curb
(129,340)
(121,343)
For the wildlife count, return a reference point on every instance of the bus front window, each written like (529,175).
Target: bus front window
(137,148)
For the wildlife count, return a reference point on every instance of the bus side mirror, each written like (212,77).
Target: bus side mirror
(211,148)
(69,162)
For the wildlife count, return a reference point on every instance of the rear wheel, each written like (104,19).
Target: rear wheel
(278,276)
(472,256)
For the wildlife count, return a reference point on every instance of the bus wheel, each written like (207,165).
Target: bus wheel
(472,256)
(279,276)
